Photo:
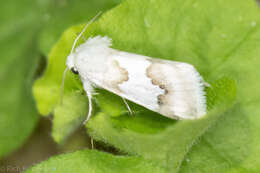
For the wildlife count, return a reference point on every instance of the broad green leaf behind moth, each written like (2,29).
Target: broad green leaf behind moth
(98,162)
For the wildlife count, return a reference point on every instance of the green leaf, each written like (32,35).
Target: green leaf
(62,14)
(172,140)
(69,116)
(48,88)
(221,39)
(49,91)
(224,147)
(20,26)
(95,161)
(19,59)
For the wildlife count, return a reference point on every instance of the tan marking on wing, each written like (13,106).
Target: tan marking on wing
(116,75)
(155,73)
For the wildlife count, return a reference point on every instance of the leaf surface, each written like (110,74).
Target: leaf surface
(95,161)
(19,60)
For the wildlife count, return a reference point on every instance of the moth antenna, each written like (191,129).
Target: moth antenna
(84,29)
(62,85)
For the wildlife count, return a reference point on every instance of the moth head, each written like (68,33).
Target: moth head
(71,58)
(70,63)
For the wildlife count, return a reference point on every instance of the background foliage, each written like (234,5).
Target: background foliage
(28,31)
(221,40)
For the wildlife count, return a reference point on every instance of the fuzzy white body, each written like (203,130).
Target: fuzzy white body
(173,89)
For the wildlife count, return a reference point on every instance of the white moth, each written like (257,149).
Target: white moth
(173,89)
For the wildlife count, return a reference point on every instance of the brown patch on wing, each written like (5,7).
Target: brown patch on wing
(156,74)
(119,75)
(124,73)
(161,99)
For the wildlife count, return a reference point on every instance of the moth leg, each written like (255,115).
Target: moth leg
(89,106)
(88,88)
(206,84)
(128,107)
(92,143)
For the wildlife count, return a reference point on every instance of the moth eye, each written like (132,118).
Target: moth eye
(74,70)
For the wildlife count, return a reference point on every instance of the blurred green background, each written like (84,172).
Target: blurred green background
(28,30)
